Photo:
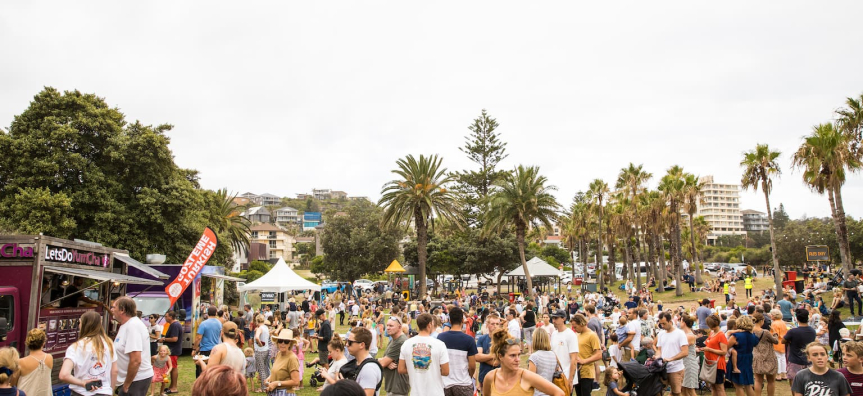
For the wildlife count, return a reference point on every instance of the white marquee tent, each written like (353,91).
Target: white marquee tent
(280,279)
(537,267)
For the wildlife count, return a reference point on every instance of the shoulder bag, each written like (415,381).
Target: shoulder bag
(708,369)
(559,378)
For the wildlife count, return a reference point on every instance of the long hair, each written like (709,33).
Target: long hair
(93,333)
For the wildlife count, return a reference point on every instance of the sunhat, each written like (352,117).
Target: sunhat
(285,334)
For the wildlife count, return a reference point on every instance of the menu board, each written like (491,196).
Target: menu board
(61,326)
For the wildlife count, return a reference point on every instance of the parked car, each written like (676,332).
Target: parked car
(364,284)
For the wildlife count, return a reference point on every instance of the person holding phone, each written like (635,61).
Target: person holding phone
(92,359)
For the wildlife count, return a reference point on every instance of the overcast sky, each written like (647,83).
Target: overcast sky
(283,97)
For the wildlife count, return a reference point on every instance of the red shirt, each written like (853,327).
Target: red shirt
(855,380)
(714,342)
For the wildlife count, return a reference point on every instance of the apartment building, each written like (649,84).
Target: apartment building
(279,243)
(754,220)
(721,208)
(287,216)
(322,193)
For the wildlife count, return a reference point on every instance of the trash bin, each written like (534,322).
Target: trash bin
(591,287)
(577,281)
(511,297)
(712,303)
(791,275)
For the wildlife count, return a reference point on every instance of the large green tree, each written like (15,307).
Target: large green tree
(673,186)
(693,196)
(355,244)
(761,166)
(87,173)
(417,196)
(522,198)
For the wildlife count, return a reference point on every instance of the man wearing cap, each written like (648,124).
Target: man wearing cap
(324,336)
(209,334)
(564,344)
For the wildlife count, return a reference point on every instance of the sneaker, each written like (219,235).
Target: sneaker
(595,387)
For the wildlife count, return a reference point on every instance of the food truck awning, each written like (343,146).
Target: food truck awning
(140,266)
(102,275)
(224,277)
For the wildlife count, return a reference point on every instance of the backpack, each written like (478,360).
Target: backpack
(351,370)
(475,326)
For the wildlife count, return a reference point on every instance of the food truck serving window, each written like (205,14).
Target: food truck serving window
(7,303)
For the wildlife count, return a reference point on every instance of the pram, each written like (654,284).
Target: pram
(643,380)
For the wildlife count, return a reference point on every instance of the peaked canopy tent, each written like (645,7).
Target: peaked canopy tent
(537,268)
(280,279)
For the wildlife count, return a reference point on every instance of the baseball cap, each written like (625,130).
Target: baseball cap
(558,314)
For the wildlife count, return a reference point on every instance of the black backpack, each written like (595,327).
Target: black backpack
(351,370)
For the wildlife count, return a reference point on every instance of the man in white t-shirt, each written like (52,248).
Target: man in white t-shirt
(564,344)
(673,347)
(513,327)
(634,327)
(370,377)
(134,371)
(425,360)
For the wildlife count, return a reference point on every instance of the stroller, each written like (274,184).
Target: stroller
(643,380)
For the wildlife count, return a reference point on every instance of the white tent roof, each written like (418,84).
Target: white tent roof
(280,279)
(537,267)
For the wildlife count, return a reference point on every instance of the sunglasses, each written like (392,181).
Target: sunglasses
(283,341)
(351,342)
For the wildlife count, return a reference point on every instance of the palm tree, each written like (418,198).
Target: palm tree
(580,217)
(850,122)
(824,158)
(692,197)
(230,223)
(598,191)
(521,199)
(760,167)
(702,230)
(419,195)
(672,186)
(632,180)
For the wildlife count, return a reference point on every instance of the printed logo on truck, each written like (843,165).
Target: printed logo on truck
(201,253)
(74,256)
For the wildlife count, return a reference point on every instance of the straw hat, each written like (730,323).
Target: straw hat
(285,334)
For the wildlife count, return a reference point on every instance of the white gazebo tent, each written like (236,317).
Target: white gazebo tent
(537,267)
(280,279)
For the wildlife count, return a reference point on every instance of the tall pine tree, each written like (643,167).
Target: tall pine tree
(484,147)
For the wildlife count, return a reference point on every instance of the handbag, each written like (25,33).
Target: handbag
(559,379)
(708,371)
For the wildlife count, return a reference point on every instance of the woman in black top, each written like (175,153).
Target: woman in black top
(834,323)
(528,318)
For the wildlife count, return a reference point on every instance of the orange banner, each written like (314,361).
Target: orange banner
(197,259)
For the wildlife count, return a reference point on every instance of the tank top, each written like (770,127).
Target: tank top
(529,319)
(38,382)
(265,337)
(516,388)
(234,358)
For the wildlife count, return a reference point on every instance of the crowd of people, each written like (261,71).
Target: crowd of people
(465,344)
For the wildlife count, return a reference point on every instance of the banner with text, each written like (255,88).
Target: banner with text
(817,253)
(201,253)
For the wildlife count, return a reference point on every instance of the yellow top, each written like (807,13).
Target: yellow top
(725,288)
(516,388)
(747,283)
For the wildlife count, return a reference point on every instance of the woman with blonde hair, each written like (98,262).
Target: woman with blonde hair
(8,369)
(92,359)
(542,361)
(35,377)
(743,341)
(509,379)
(262,349)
